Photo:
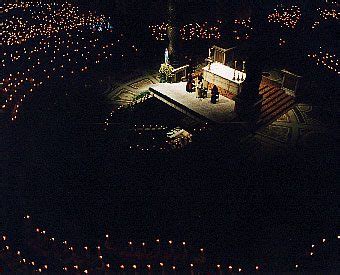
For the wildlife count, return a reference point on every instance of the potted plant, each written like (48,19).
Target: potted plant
(166,73)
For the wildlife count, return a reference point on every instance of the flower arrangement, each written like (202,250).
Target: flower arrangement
(166,72)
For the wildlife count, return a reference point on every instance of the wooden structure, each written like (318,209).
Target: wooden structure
(180,73)
(290,83)
(220,55)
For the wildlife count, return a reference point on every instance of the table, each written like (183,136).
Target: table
(222,76)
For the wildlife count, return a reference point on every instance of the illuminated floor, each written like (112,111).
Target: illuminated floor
(175,94)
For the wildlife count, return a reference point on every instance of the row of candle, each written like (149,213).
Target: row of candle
(287,17)
(242,29)
(326,59)
(86,254)
(189,31)
(326,14)
(51,19)
(56,54)
(145,143)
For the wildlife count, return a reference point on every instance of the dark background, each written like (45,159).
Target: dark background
(70,177)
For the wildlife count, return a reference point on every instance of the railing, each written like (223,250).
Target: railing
(180,72)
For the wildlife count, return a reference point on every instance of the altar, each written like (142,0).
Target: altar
(206,94)
(224,77)
(217,72)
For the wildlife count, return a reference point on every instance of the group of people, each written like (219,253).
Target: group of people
(201,89)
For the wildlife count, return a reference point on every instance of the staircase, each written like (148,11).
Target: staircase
(275,103)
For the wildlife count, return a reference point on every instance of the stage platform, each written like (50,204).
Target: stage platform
(175,95)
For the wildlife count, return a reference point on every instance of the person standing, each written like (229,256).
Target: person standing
(189,85)
(200,89)
(200,77)
(214,94)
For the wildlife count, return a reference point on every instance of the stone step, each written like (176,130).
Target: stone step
(274,95)
(276,112)
(277,104)
(125,96)
(122,101)
(279,113)
(272,100)
(266,91)
(262,88)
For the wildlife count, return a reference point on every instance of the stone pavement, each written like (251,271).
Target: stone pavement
(124,93)
(303,130)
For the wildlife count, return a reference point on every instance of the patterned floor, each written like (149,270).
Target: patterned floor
(304,128)
(124,93)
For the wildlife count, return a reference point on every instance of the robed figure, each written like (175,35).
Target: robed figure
(214,94)
(189,87)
